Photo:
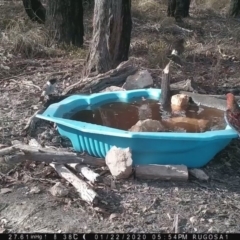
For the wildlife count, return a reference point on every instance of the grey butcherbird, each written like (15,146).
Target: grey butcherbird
(48,88)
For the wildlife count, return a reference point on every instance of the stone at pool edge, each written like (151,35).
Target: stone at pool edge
(140,79)
(119,162)
(112,89)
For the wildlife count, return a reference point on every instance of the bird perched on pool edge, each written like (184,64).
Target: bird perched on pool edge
(232,114)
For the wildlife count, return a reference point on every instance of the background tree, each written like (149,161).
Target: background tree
(234,8)
(65,21)
(112,25)
(35,10)
(179,8)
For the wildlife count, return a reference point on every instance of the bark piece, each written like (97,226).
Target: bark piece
(85,192)
(162,172)
(199,174)
(86,172)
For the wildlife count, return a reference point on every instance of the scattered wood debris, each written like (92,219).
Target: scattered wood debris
(84,190)
(75,168)
(86,172)
(199,174)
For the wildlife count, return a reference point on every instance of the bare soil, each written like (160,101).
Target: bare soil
(27,61)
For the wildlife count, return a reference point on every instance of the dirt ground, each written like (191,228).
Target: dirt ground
(28,58)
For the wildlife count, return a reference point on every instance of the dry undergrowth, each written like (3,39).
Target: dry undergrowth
(211,46)
(211,42)
(28,58)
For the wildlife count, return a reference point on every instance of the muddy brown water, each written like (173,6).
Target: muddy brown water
(123,116)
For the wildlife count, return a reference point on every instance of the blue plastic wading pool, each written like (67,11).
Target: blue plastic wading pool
(191,149)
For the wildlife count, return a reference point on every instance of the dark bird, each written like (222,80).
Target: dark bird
(176,46)
(176,49)
(232,114)
(176,59)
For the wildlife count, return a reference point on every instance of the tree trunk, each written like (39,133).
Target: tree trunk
(65,21)
(178,8)
(234,8)
(35,10)
(112,25)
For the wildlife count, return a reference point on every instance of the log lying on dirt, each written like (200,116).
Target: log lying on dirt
(97,83)
(86,172)
(24,152)
(162,172)
(84,190)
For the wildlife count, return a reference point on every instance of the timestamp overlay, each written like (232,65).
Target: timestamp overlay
(116,236)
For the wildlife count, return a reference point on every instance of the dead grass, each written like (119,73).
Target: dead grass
(214,205)
(148,9)
(28,39)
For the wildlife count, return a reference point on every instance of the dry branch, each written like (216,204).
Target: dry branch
(84,190)
(162,172)
(86,172)
(48,155)
(97,83)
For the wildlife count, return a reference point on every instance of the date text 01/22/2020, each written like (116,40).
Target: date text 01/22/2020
(115,236)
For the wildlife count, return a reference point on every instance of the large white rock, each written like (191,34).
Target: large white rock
(119,162)
(140,79)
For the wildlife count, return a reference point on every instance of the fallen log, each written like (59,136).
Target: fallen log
(86,172)
(85,191)
(114,77)
(162,172)
(24,152)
